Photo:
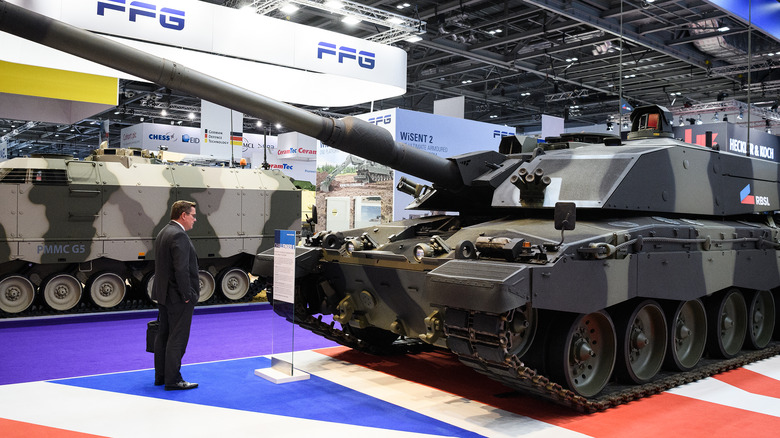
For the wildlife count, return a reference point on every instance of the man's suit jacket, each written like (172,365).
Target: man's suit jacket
(175,267)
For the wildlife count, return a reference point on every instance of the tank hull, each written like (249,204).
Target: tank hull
(499,304)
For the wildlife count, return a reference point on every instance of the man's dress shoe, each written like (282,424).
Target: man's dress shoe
(181,385)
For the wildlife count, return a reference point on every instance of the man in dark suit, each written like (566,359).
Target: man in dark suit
(176,289)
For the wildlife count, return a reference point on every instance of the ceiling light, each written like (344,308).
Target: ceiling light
(413,39)
(395,20)
(288,8)
(278,126)
(259,124)
(163,112)
(350,20)
(334,4)
(724,29)
(191,116)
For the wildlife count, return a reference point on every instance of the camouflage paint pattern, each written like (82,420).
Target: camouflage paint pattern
(102,214)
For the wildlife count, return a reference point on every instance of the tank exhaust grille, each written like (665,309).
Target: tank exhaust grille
(49,177)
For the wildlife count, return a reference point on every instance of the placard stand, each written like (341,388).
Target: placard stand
(282,369)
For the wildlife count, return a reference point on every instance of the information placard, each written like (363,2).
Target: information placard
(284,266)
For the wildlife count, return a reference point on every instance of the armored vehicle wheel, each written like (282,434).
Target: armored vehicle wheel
(207,285)
(726,323)
(641,341)
(522,330)
(234,283)
(62,291)
(148,285)
(687,328)
(16,294)
(107,289)
(581,352)
(761,319)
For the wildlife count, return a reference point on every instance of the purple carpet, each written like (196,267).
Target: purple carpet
(48,348)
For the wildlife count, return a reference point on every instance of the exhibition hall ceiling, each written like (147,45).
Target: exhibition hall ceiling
(514,61)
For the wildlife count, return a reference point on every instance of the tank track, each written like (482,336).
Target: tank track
(485,353)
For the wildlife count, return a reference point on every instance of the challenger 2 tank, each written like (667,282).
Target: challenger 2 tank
(74,227)
(589,274)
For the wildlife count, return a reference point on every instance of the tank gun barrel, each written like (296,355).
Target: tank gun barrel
(349,134)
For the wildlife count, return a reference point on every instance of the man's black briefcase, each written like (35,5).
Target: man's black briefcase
(151,334)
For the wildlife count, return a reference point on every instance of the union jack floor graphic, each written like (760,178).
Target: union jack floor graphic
(352,394)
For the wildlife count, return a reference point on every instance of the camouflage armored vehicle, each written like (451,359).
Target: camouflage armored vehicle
(567,272)
(73,223)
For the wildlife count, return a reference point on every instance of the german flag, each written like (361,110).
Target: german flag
(236,138)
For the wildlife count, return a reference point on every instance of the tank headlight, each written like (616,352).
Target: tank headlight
(354,245)
(422,250)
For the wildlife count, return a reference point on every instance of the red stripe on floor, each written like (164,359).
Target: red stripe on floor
(18,429)
(751,381)
(672,414)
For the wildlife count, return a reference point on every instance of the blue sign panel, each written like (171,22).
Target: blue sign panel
(762,13)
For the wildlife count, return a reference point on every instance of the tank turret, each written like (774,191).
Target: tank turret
(569,270)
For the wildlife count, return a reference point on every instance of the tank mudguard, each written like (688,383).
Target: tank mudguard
(487,286)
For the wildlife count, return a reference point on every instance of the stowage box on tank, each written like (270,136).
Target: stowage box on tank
(568,267)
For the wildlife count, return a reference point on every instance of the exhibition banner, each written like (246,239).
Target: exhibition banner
(295,63)
(220,126)
(186,140)
(732,138)
(439,135)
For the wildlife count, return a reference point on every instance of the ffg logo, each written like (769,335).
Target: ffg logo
(364,59)
(380,120)
(498,133)
(169,18)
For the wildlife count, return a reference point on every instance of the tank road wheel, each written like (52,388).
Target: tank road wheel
(581,352)
(761,319)
(687,337)
(234,283)
(16,294)
(522,330)
(726,323)
(107,289)
(62,292)
(207,285)
(148,285)
(641,336)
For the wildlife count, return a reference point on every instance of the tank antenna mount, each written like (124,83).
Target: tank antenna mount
(565,217)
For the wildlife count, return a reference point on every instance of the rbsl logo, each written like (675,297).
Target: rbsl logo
(746,198)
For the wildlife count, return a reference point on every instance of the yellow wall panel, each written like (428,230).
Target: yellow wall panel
(57,84)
